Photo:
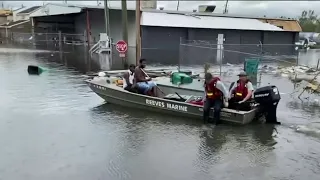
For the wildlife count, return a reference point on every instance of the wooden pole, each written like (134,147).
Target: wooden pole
(106,17)
(125,29)
(88,28)
(88,31)
(138,32)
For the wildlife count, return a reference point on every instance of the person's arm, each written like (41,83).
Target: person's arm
(250,90)
(232,89)
(205,93)
(223,89)
(126,78)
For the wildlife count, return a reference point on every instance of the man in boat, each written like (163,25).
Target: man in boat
(241,93)
(143,82)
(128,79)
(215,95)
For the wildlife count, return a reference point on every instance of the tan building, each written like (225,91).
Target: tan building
(285,24)
(5,16)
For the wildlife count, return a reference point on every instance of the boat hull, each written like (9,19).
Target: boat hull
(116,95)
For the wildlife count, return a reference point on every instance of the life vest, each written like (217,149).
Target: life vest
(198,102)
(211,91)
(131,77)
(241,91)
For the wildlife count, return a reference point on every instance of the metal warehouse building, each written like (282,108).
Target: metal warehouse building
(170,37)
(191,38)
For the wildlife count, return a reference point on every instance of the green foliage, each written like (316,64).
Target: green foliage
(309,21)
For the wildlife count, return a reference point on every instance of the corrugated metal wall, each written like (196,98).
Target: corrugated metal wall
(162,44)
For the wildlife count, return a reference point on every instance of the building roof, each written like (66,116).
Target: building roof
(62,8)
(29,10)
(207,22)
(133,8)
(12,24)
(89,6)
(5,12)
(287,25)
(18,8)
(215,14)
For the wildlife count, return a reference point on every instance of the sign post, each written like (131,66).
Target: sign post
(122,48)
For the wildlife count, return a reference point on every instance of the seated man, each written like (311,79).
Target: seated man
(215,94)
(128,79)
(143,81)
(241,94)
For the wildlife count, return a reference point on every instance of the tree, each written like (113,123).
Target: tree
(309,21)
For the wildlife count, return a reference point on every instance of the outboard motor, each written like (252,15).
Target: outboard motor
(268,97)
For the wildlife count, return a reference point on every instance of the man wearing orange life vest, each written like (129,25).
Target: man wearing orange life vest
(215,95)
(241,93)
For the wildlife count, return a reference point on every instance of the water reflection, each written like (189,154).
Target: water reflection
(309,58)
(212,140)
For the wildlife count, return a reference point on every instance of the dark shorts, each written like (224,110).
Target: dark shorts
(233,104)
(130,88)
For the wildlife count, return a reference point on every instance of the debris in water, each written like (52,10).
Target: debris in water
(101,74)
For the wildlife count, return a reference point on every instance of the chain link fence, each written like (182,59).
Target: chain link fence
(119,62)
(199,52)
(71,49)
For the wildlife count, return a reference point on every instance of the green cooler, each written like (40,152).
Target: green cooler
(180,78)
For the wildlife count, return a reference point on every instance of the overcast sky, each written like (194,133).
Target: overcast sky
(259,8)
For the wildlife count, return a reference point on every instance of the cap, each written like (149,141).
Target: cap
(242,73)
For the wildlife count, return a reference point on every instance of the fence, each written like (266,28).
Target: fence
(72,48)
(198,52)
(119,62)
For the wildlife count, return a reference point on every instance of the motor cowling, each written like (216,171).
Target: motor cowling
(268,97)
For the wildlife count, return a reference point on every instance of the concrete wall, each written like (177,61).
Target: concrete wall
(161,45)
(22,17)
(14,13)
(10,18)
(3,19)
(54,24)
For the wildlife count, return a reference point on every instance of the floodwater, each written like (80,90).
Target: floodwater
(53,127)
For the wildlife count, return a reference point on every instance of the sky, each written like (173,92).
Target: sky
(274,8)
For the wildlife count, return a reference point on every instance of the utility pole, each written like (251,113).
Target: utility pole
(125,29)
(138,31)
(106,17)
(178,5)
(226,8)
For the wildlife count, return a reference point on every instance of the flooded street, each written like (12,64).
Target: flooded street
(53,127)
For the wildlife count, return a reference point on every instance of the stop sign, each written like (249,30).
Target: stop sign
(122,46)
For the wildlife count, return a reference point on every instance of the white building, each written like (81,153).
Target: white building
(24,13)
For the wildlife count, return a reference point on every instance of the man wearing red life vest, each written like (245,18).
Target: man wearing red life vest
(241,93)
(215,95)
